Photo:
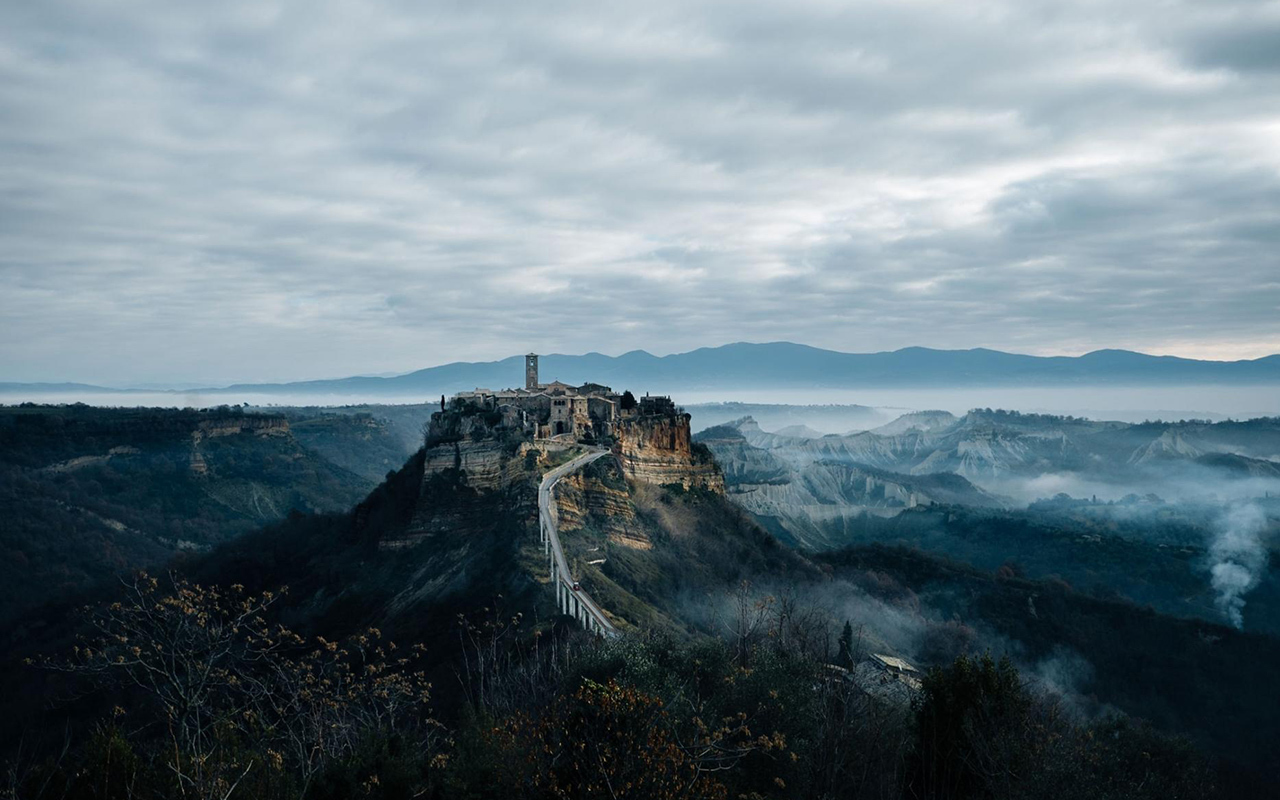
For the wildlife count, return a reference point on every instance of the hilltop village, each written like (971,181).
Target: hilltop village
(591,411)
(478,432)
(503,440)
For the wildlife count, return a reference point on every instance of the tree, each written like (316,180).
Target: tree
(844,656)
(612,740)
(749,615)
(970,728)
(188,652)
(628,401)
(240,700)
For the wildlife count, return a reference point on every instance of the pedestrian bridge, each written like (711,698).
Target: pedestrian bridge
(571,599)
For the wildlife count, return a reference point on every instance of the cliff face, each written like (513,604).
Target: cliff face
(598,498)
(487,465)
(256,424)
(472,462)
(660,450)
(475,475)
(485,456)
(464,484)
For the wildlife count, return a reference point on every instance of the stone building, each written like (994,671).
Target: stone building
(656,405)
(545,410)
(531,371)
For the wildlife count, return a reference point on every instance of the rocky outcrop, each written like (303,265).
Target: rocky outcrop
(484,455)
(256,424)
(659,449)
(472,456)
(231,425)
(472,466)
(827,490)
(464,483)
(487,465)
(598,498)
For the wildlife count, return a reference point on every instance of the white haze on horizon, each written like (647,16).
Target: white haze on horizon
(1121,403)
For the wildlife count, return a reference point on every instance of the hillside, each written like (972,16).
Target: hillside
(1153,508)
(86,493)
(1185,675)
(811,504)
(673,560)
(991,447)
(653,537)
(369,441)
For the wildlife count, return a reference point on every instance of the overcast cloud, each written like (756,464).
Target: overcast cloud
(272,191)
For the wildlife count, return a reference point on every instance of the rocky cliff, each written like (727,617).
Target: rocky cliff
(807,500)
(473,465)
(234,425)
(660,450)
(465,482)
(598,498)
(473,460)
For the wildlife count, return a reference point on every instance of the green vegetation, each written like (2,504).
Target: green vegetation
(360,443)
(86,493)
(980,733)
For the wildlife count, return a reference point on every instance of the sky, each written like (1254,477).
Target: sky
(234,191)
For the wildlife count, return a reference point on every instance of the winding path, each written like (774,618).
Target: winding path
(570,598)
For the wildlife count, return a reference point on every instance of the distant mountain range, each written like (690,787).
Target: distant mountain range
(787,365)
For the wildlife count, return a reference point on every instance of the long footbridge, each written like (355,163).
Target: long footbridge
(571,598)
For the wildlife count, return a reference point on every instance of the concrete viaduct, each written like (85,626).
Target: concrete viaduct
(570,598)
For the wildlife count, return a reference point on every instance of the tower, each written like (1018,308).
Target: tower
(531,371)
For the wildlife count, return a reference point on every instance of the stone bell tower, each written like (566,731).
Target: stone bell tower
(531,371)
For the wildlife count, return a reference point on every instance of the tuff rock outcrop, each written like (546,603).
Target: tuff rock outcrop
(660,450)
(598,498)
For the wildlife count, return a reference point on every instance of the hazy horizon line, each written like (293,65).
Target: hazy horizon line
(188,385)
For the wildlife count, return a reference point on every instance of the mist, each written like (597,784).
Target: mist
(1171,482)
(1238,557)
(1119,403)
(825,410)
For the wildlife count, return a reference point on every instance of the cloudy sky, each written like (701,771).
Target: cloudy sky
(252,190)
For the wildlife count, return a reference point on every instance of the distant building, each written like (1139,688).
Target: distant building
(656,404)
(894,664)
(881,676)
(892,667)
(531,371)
(544,410)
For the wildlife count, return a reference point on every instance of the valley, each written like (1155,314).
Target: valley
(915,534)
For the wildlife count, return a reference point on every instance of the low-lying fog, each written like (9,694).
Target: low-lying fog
(189,399)
(1127,404)
(1122,403)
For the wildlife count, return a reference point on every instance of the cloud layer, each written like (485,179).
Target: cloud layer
(252,190)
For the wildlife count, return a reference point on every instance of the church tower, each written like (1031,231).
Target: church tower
(531,371)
